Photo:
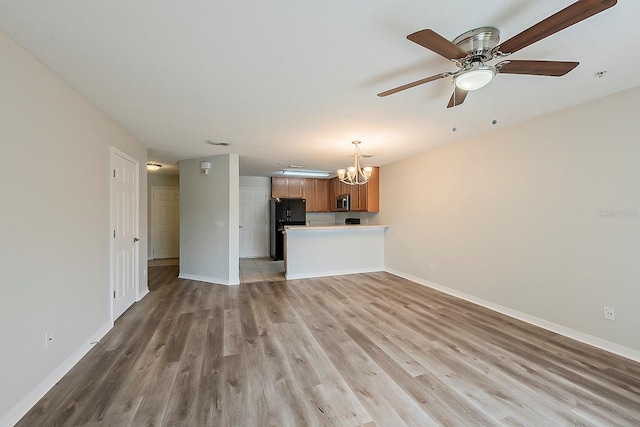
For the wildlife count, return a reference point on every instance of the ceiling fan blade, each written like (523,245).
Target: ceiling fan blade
(438,44)
(416,83)
(538,68)
(568,16)
(457,97)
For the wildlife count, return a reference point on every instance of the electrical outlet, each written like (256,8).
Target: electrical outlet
(608,313)
(48,340)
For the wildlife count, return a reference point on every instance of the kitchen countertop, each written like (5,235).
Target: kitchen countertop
(330,227)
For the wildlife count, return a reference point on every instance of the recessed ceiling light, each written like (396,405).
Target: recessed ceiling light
(218,143)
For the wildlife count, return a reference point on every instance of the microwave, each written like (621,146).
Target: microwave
(343,203)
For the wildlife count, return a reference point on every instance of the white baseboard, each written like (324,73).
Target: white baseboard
(27,402)
(207,279)
(311,275)
(600,343)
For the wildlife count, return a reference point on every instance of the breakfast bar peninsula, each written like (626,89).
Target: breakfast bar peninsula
(332,250)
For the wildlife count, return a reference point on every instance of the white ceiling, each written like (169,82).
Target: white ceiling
(295,81)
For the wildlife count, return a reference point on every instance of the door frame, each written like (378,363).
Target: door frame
(113,152)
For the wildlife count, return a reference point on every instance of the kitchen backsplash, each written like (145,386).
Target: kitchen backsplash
(331,218)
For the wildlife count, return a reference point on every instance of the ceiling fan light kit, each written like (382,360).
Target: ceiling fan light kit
(472,50)
(475,77)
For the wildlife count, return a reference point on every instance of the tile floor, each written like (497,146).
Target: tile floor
(251,269)
(261,270)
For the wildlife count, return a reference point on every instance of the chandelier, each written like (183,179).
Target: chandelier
(355,175)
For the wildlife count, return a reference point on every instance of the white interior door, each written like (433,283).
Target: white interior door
(254,216)
(165,222)
(124,214)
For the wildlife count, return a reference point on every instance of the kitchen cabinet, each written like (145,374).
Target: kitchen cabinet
(316,191)
(309,194)
(322,201)
(279,187)
(296,187)
(364,198)
(287,187)
(358,195)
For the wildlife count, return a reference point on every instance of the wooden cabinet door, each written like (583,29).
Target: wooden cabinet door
(354,193)
(360,198)
(333,193)
(343,188)
(363,193)
(321,202)
(287,187)
(296,187)
(310,194)
(316,191)
(279,187)
(372,196)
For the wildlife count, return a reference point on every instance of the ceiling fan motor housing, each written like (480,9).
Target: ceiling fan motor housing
(478,43)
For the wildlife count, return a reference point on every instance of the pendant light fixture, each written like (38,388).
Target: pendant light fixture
(355,175)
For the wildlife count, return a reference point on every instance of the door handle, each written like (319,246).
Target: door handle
(135,239)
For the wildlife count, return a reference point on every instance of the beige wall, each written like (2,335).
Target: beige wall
(55,149)
(209,220)
(514,218)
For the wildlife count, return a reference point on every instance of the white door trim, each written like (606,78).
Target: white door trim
(114,151)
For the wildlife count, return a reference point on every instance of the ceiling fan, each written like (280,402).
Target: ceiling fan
(472,51)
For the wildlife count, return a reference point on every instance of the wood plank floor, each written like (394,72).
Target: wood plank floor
(366,349)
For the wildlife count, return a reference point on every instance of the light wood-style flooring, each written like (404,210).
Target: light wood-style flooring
(163,262)
(366,349)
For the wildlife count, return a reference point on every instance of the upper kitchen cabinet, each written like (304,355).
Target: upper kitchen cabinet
(364,198)
(316,191)
(284,187)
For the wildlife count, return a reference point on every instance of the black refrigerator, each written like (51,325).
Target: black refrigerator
(284,212)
